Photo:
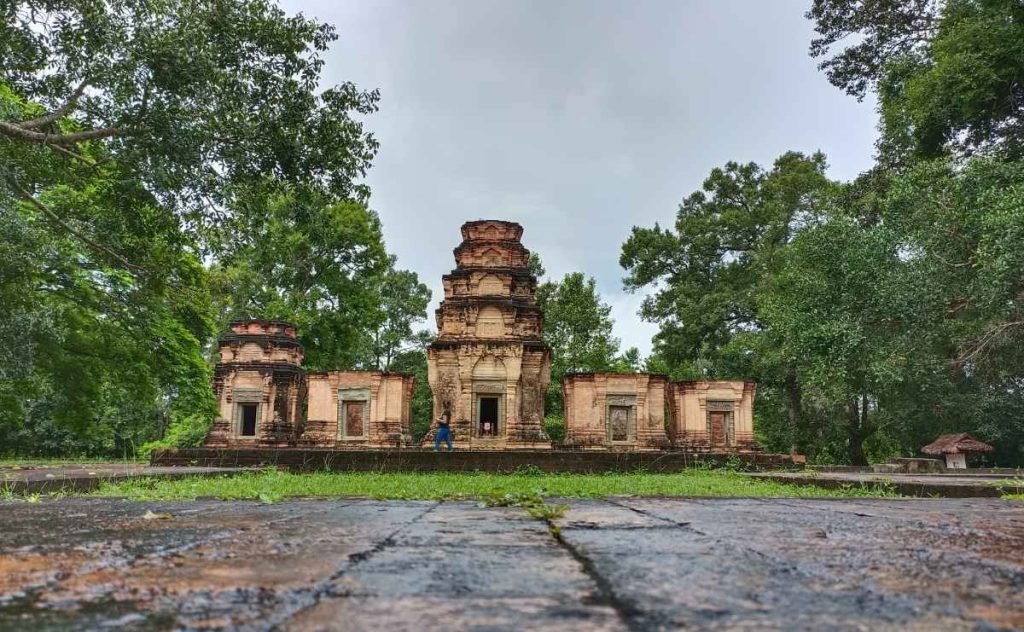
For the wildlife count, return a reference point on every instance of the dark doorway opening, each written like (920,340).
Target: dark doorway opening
(248,420)
(488,416)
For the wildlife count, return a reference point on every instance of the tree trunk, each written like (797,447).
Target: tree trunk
(857,413)
(794,410)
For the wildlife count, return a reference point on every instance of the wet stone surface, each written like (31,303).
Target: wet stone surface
(714,564)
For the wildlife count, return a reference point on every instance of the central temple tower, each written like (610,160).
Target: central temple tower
(489,365)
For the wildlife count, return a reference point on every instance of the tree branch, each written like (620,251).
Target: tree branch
(73,155)
(14,130)
(31,199)
(986,338)
(59,112)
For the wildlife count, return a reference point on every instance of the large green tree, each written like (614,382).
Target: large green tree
(312,261)
(948,73)
(707,272)
(578,327)
(137,139)
(196,98)
(947,186)
(100,355)
(877,313)
(403,302)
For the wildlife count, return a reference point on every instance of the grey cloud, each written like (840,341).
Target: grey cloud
(579,119)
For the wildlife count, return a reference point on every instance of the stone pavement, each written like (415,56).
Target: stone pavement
(30,479)
(966,484)
(621,564)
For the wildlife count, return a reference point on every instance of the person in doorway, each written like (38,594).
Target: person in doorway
(444,430)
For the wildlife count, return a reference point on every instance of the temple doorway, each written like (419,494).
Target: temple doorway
(618,421)
(488,416)
(717,428)
(248,414)
(354,415)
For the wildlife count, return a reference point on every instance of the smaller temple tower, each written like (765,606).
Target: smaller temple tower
(615,411)
(714,415)
(259,384)
(489,365)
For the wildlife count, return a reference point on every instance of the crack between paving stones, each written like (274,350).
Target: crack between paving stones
(606,595)
(668,521)
(325,587)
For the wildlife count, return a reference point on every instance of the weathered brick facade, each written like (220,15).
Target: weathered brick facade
(261,388)
(640,411)
(358,409)
(620,411)
(489,365)
(713,415)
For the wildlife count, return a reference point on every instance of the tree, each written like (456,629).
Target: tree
(726,245)
(629,361)
(832,309)
(535,266)
(961,231)
(403,301)
(197,97)
(138,139)
(948,73)
(578,327)
(311,261)
(101,356)
(947,191)
(725,241)
(888,28)
(414,360)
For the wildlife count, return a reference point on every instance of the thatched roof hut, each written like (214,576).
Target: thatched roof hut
(954,447)
(959,443)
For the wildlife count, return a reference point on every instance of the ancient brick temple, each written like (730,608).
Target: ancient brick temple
(714,415)
(261,389)
(642,411)
(489,365)
(358,409)
(616,410)
(259,385)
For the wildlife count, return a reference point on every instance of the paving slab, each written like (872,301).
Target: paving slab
(873,564)
(619,564)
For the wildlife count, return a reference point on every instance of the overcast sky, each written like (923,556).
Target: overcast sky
(578,119)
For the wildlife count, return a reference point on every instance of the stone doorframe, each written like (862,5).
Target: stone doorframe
(488,388)
(241,397)
(353,396)
(728,408)
(625,400)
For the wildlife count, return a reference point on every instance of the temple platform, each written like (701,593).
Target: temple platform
(421,460)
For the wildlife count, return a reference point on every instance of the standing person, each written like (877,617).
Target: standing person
(444,430)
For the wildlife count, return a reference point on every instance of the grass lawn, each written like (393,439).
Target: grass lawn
(271,486)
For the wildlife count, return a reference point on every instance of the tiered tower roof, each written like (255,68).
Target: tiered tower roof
(490,295)
(260,342)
